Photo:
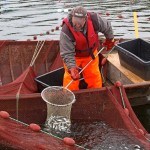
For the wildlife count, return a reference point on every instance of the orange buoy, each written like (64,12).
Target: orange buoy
(142,132)
(69,141)
(35,37)
(41,34)
(47,32)
(57,28)
(34,127)
(107,13)
(103,62)
(52,30)
(118,84)
(126,110)
(4,114)
(42,147)
(120,16)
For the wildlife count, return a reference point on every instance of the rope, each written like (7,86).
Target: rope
(46,132)
(10,63)
(38,48)
(18,97)
(17,104)
(35,55)
(45,56)
(122,99)
(133,123)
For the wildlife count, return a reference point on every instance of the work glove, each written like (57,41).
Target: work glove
(74,72)
(109,44)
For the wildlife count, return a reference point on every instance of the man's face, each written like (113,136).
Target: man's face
(78,23)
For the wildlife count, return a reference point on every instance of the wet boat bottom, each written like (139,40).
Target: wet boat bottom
(100,136)
(143,114)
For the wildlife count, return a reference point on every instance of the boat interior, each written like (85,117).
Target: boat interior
(27,68)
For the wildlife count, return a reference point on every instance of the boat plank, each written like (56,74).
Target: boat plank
(119,72)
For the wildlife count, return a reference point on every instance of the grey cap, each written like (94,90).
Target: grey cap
(79,11)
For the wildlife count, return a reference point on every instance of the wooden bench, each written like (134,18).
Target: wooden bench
(116,72)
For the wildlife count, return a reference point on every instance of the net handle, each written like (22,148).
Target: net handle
(86,66)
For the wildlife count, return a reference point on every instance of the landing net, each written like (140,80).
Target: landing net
(59,102)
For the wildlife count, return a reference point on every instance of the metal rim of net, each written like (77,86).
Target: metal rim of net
(63,105)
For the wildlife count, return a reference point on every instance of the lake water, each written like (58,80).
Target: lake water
(100,136)
(24,19)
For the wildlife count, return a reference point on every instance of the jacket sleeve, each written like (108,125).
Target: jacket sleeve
(67,50)
(102,25)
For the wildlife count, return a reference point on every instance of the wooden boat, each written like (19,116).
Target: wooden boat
(21,62)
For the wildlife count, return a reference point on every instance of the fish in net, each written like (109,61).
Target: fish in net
(59,102)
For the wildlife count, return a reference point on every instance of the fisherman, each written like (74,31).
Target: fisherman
(79,44)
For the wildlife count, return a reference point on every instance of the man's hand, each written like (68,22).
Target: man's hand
(74,72)
(109,44)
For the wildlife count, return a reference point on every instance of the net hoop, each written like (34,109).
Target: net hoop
(53,104)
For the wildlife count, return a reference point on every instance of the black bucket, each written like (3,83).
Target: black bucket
(55,78)
(135,56)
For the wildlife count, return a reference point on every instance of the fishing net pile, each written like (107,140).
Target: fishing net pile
(21,62)
(19,65)
(17,136)
(101,105)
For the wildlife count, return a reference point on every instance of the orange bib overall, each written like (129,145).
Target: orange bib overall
(91,74)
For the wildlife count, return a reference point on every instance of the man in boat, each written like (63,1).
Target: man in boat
(79,44)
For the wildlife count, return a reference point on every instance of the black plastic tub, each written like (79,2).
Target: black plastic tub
(55,78)
(52,78)
(135,56)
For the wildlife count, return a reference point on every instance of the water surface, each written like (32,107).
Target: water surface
(98,135)
(23,19)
